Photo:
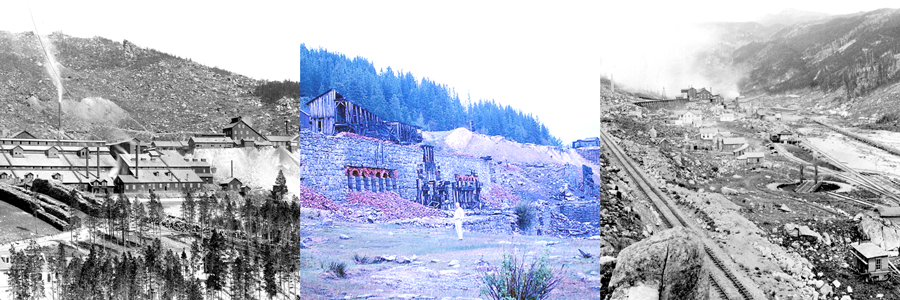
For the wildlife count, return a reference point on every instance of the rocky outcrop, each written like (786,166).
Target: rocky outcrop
(670,261)
(881,232)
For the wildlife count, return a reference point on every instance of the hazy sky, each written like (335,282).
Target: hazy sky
(542,57)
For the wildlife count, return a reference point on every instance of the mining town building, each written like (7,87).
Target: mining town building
(730,144)
(870,260)
(331,113)
(588,142)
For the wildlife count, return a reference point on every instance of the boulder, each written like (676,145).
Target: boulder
(453,263)
(785,208)
(673,257)
(345,237)
(639,292)
(403,260)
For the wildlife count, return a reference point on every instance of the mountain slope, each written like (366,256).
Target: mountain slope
(149,92)
(854,53)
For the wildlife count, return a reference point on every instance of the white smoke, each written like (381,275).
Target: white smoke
(654,57)
(52,66)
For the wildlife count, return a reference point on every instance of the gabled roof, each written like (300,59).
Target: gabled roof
(741,148)
(229,180)
(336,96)
(22,134)
(869,250)
(709,130)
(248,126)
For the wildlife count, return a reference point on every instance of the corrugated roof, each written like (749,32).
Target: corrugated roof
(741,148)
(869,250)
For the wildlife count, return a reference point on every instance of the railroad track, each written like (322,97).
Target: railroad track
(845,198)
(725,279)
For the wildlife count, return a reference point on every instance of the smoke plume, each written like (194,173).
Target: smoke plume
(670,57)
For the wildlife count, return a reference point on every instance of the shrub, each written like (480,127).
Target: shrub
(338,269)
(517,281)
(365,260)
(524,216)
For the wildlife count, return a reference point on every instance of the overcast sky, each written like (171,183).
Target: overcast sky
(542,57)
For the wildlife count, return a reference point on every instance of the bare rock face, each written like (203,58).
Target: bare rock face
(670,261)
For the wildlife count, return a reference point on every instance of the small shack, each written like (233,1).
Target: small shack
(708,133)
(782,136)
(870,260)
(231,184)
(740,150)
(730,144)
(753,158)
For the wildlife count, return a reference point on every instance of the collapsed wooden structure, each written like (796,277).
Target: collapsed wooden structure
(331,113)
(432,191)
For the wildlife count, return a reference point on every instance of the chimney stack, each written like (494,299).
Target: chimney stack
(137,159)
(232,169)
(286,131)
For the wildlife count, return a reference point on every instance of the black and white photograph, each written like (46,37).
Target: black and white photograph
(449,150)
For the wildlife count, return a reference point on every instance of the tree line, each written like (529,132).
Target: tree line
(399,96)
(261,262)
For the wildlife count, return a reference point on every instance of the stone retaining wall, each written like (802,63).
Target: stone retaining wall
(324,158)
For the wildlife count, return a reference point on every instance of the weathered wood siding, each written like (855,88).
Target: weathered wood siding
(321,113)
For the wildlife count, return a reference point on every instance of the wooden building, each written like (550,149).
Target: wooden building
(331,113)
(753,158)
(217,141)
(708,133)
(84,168)
(169,145)
(588,142)
(870,260)
(231,184)
(288,142)
(239,130)
(730,144)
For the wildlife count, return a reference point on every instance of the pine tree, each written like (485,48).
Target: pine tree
(188,207)
(281,184)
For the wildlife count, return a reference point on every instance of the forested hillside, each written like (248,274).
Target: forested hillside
(855,53)
(400,96)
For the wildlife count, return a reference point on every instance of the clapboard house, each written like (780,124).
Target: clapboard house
(331,113)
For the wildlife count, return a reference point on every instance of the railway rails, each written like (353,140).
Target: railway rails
(724,278)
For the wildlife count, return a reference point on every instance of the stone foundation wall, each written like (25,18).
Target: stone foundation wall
(323,159)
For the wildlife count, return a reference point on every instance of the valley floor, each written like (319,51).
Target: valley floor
(428,275)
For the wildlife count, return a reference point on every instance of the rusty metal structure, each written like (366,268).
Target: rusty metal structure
(331,113)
